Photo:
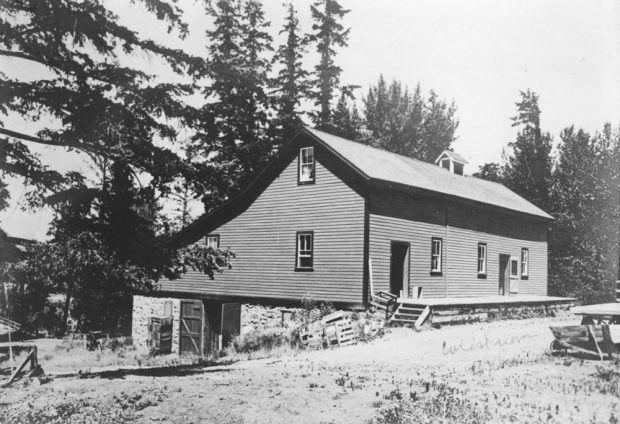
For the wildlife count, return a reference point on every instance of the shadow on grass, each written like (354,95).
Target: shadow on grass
(203,367)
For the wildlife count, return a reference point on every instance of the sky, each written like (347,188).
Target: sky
(479,54)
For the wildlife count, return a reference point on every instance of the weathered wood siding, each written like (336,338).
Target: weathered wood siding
(264,240)
(417,220)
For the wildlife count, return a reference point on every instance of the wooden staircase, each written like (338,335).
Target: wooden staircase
(6,325)
(390,308)
(411,313)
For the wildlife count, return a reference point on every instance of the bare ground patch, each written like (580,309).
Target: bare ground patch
(497,372)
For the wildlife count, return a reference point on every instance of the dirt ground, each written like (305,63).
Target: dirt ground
(502,369)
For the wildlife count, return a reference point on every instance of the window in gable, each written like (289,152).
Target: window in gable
(213,241)
(305,251)
(306,165)
(436,260)
(482,260)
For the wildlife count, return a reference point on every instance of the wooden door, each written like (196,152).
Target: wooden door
(504,275)
(191,327)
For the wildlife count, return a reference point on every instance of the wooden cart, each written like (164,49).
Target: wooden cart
(599,332)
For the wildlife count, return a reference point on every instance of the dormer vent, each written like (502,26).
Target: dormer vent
(452,161)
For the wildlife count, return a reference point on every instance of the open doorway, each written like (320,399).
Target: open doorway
(399,268)
(504,275)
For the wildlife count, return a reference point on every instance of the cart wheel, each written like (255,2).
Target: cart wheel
(556,348)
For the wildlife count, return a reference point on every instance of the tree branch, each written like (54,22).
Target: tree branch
(23,56)
(33,139)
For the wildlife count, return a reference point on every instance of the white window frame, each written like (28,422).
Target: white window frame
(525,262)
(307,163)
(304,251)
(436,258)
(482,270)
(211,238)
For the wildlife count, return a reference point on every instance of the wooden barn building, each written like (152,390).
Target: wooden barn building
(338,220)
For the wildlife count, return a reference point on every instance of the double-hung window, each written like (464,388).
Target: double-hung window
(306,165)
(305,251)
(436,260)
(213,241)
(525,263)
(482,260)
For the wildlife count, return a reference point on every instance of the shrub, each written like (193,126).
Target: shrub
(257,340)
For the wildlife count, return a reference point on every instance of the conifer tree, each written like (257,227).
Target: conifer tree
(346,121)
(291,86)
(113,113)
(528,169)
(328,34)
(233,129)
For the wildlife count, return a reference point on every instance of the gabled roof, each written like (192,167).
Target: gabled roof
(361,165)
(452,155)
(382,165)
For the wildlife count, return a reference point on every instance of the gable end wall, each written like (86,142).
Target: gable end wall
(263,238)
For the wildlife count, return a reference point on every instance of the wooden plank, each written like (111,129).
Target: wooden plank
(420,321)
(610,349)
(593,339)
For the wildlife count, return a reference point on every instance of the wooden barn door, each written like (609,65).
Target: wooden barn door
(191,327)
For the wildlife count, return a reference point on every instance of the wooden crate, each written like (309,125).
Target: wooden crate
(346,333)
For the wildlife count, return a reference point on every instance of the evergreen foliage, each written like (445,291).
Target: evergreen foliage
(585,197)
(233,128)
(291,85)
(408,123)
(528,169)
(328,34)
(580,189)
(116,115)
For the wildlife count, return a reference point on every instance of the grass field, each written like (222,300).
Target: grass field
(486,373)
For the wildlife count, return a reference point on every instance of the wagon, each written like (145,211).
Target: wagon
(598,333)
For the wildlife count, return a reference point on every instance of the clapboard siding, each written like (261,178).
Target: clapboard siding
(383,230)
(417,220)
(264,240)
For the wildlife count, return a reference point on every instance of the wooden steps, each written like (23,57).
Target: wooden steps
(390,308)
(410,314)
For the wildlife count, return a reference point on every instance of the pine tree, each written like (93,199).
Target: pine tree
(408,124)
(233,131)
(528,169)
(291,86)
(328,34)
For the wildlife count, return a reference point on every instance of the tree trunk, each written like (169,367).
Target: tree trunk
(65,311)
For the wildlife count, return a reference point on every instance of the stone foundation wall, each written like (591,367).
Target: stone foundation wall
(448,315)
(257,316)
(144,308)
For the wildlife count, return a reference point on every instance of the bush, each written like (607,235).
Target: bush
(257,340)
(312,311)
